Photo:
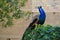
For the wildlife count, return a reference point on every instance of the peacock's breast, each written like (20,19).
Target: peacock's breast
(42,17)
(41,21)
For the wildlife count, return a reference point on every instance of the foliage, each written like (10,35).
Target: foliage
(23,3)
(41,32)
(9,10)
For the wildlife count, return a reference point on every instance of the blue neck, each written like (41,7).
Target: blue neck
(42,15)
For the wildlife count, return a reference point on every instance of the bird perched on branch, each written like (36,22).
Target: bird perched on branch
(39,19)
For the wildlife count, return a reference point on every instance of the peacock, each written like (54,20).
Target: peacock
(39,19)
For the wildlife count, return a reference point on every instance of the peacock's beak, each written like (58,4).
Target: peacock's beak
(39,7)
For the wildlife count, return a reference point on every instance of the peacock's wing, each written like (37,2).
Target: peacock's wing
(36,17)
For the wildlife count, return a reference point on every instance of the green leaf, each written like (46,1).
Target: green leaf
(10,6)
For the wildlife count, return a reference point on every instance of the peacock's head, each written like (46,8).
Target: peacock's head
(39,7)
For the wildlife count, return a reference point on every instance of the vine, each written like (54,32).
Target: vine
(9,10)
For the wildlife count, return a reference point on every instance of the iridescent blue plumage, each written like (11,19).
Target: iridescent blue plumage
(42,15)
